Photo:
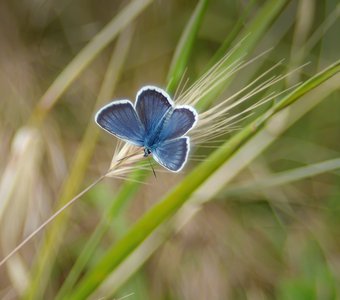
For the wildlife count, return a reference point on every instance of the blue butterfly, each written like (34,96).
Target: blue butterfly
(153,123)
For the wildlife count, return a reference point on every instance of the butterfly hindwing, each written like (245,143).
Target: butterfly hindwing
(152,104)
(179,122)
(120,119)
(172,154)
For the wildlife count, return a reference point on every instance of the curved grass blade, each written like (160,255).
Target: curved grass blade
(161,212)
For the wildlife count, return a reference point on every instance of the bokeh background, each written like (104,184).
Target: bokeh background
(271,232)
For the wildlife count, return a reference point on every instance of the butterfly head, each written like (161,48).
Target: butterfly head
(147,152)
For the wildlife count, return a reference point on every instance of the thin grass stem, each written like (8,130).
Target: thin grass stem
(49,220)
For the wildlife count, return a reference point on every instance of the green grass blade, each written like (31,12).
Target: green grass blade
(185,46)
(310,84)
(46,256)
(160,212)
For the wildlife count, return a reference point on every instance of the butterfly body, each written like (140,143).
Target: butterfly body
(154,123)
(153,135)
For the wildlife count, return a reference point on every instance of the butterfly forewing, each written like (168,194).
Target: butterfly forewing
(172,154)
(151,106)
(120,119)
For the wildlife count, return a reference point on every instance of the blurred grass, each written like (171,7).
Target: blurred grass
(301,30)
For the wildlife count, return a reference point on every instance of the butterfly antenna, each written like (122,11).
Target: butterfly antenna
(153,170)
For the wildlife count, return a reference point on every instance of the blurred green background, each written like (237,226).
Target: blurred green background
(271,227)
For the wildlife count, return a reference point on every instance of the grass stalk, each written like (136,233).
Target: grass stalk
(50,219)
